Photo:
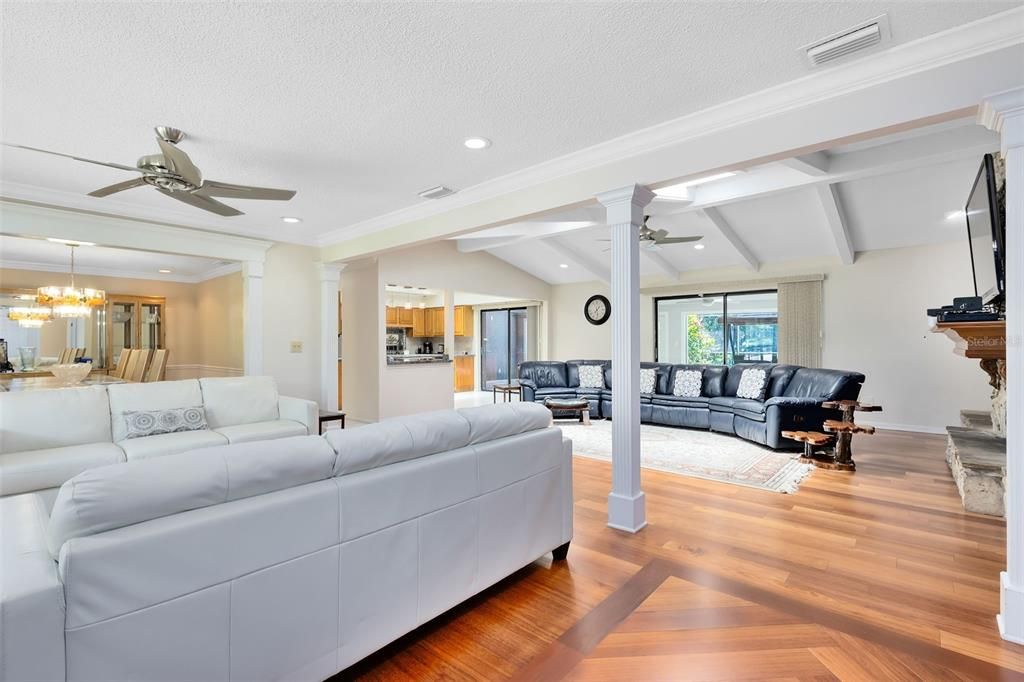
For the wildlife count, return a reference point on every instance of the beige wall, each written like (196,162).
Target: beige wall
(291,312)
(362,349)
(874,322)
(219,318)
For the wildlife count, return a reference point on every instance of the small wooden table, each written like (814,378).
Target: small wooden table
(506,391)
(329,416)
(579,408)
(845,428)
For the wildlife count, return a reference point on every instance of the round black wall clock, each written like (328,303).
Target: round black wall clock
(597,309)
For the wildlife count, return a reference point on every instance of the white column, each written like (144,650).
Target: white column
(625,215)
(1004,113)
(252,317)
(330,281)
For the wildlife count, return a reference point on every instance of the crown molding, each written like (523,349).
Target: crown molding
(1003,112)
(980,37)
(121,273)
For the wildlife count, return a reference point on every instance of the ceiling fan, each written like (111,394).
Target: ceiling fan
(171,172)
(653,240)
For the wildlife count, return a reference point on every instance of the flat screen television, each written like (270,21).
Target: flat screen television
(986,235)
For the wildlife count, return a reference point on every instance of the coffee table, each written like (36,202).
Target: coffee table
(578,407)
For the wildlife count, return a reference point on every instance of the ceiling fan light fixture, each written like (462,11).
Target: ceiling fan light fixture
(699,247)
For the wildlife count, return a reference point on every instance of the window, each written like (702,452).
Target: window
(717,329)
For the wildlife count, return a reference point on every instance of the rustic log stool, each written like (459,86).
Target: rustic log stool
(845,428)
(812,440)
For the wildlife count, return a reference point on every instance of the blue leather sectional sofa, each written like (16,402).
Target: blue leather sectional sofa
(792,399)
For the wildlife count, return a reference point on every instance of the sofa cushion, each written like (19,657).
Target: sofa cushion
(123,494)
(142,423)
(751,409)
(157,395)
(491,422)
(397,439)
(555,392)
(544,373)
(589,392)
(834,384)
(778,380)
(722,403)
(239,400)
(29,419)
(682,401)
(22,472)
(169,444)
(246,433)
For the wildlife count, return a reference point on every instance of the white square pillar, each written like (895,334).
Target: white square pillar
(1004,113)
(625,215)
(330,285)
(252,317)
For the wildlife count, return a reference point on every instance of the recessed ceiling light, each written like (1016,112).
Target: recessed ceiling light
(165,271)
(477,143)
(291,219)
(74,242)
(699,247)
(563,265)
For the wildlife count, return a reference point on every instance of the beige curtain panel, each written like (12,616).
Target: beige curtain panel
(800,312)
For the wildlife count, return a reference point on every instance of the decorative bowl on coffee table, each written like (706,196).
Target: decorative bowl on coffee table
(71,374)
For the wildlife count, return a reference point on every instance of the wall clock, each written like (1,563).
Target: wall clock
(597,309)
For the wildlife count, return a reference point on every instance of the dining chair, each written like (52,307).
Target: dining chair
(62,359)
(157,366)
(122,363)
(137,371)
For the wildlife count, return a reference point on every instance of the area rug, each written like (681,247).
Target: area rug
(701,454)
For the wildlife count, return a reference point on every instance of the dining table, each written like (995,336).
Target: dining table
(39,383)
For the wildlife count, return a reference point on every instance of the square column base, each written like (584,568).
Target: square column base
(627,513)
(1011,611)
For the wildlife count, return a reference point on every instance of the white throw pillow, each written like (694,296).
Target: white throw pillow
(752,384)
(687,383)
(648,377)
(591,376)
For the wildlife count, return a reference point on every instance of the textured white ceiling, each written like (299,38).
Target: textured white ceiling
(358,106)
(40,254)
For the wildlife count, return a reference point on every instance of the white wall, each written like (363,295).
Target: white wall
(291,312)
(362,346)
(874,322)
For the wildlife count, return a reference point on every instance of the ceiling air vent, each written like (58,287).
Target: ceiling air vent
(436,192)
(868,34)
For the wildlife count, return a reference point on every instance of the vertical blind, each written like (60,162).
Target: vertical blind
(800,313)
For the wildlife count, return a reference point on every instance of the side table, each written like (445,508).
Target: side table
(329,416)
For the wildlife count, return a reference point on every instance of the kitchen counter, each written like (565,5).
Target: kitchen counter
(417,359)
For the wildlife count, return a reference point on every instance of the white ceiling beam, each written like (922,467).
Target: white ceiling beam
(485,243)
(828,195)
(662,263)
(716,217)
(815,164)
(598,270)
(516,232)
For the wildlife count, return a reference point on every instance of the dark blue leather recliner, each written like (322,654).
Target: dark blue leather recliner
(792,400)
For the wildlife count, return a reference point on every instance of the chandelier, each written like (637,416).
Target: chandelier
(32,317)
(70,301)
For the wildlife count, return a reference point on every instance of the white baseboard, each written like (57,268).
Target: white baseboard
(917,428)
(175,372)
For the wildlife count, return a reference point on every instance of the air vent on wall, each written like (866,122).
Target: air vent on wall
(865,35)
(436,192)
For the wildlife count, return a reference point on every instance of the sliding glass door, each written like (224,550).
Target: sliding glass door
(505,341)
(717,329)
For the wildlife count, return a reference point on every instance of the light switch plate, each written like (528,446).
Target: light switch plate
(296,346)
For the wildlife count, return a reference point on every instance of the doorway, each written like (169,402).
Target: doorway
(505,341)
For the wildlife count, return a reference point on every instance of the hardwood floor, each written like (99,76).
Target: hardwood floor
(874,575)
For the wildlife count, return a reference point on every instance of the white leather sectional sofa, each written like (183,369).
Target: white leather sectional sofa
(48,436)
(281,559)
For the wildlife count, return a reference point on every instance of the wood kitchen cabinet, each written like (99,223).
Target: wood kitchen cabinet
(391,316)
(463,373)
(419,322)
(463,320)
(395,316)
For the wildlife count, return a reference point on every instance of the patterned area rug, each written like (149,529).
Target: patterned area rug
(701,454)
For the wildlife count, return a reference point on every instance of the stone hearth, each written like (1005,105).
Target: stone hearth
(977,460)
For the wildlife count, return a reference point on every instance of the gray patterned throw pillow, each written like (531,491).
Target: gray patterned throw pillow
(752,384)
(648,377)
(591,376)
(687,383)
(142,423)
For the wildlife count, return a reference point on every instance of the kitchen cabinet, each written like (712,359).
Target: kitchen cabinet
(395,316)
(419,322)
(391,316)
(405,317)
(464,373)
(463,320)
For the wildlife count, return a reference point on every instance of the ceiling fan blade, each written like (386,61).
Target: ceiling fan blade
(212,188)
(180,163)
(679,240)
(658,235)
(205,203)
(76,158)
(119,187)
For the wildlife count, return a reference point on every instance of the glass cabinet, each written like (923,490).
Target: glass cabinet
(133,322)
